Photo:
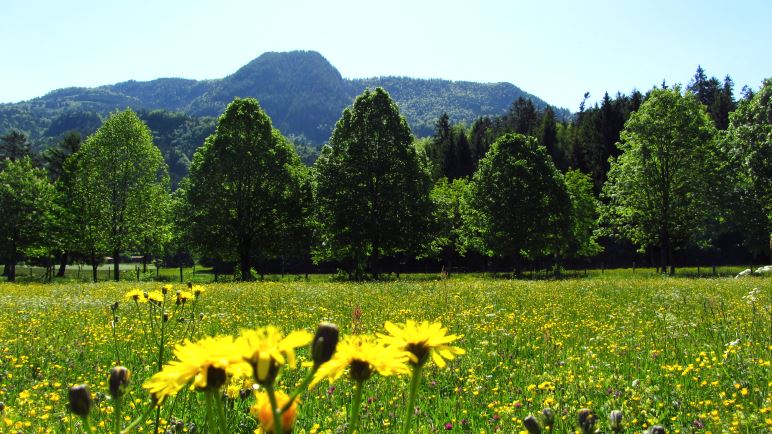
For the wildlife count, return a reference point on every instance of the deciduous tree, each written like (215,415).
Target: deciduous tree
(660,189)
(373,189)
(245,183)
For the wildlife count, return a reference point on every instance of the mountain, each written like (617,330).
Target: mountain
(301,91)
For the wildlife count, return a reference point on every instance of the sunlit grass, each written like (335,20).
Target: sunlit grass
(690,354)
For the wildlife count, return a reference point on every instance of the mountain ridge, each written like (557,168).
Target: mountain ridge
(301,90)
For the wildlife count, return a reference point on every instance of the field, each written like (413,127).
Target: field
(690,354)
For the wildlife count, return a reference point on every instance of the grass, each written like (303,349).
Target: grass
(690,354)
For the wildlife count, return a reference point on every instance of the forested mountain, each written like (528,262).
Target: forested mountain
(301,91)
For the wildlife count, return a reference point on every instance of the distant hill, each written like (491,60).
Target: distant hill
(301,91)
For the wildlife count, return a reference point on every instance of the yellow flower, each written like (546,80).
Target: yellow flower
(135,295)
(421,340)
(206,362)
(262,412)
(363,355)
(197,290)
(155,297)
(267,350)
(184,296)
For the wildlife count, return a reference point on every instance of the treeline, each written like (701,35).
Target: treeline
(667,170)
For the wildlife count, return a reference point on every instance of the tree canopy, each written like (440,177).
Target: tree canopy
(513,198)
(245,183)
(659,189)
(121,188)
(373,188)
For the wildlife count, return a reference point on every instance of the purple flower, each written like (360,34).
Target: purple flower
(448,426)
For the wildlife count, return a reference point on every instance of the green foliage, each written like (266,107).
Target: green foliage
(514,199)
(120,189)
(749,142)
(246,183)
(660,190)
(26,199)
(446,239)
(373,189)
(584,215)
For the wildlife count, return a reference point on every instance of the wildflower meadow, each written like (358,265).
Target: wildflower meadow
(467,354)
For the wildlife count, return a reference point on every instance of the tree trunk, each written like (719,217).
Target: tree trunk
(663,249)
(117,265)
(94,265)
(12,265)
(448,260)
(62,264)
(557,267)
(671,257)
(144,263)
(245,260)
(374,260)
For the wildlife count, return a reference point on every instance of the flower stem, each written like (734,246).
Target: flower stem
(86,424)
(410,409)
(136,422)
(217,398)
(356,404)
(211,425)
(302,388)
(277,429)
(117,415)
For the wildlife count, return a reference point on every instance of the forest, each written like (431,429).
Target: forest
(668,176)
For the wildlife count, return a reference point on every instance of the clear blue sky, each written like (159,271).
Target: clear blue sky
(556,50)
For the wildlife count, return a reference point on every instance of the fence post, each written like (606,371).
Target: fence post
(181,279)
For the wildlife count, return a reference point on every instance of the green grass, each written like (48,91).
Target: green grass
(680,352)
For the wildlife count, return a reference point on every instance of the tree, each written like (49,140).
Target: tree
(14,146)
(56,158)
(481,138)
(373,189)
(447,224)
(244,185)
(120,189)
(584,215)
(749,142)
(26,199)
(660,189)
(514,201)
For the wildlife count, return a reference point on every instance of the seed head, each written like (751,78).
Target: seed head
(532,425)
(119,381)
(615,421)
(80,400)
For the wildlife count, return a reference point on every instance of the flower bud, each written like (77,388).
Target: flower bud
(549,417)
(657,429)
(360,371)
(215,377)
(615,421)
(586,420)
(119,381)
(532,425)
(80,400)
(324,344)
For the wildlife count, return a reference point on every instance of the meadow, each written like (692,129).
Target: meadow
(692,355)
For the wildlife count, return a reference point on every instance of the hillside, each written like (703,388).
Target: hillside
(301,91)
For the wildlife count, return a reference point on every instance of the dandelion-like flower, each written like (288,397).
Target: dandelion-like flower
(197,290)
(183,297)
(155,297)
(262,412)
(421,340)
(266,349)
(135,295)
(361,356)
(206,362)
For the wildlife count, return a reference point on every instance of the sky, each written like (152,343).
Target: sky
(556,50)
